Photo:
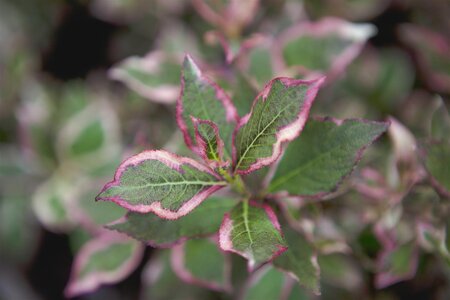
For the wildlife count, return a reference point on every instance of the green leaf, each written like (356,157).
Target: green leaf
(252,231)
(328,45)
(200,262)
(160,182)
(437,163)
(440,123)
(159,232)
(209,144)
(106,259)
(300,260)
(155,76)
(203,99)
(278,115)
(325,153)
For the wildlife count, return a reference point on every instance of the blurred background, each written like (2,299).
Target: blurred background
(84,84)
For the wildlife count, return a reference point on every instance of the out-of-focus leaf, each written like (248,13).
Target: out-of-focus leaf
(200,262)
(324,154)
(160,182)
(348,9)
(155,77)
(106,259)
(432,51)
(158,232)
(278,115)
(327,46)
(252,231)
(440,122)
(437,163)
(300,260)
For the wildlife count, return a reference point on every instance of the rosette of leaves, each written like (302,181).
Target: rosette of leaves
(169,198)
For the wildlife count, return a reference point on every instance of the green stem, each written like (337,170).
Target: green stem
(235,181)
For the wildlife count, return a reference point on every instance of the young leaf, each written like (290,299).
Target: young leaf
(107,259)
(160,182)
(300,260)
(155,76)
(327,46)
(252,231)
(203,99)
(158,232)
(278,115)
(325,153)
(201,263)
(209,144)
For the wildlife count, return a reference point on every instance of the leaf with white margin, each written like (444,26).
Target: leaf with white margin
(200,262)
(158,232)
(155,76)
(300,261)
(161,182)
(328,45)
(90,138)
(52,205)
(252,231)
(209,144)
(203,99)
(104,260)
(325,153)
(278,115)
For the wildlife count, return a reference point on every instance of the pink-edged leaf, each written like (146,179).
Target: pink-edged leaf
(203,99)
(396,264)
(209,144)
(155,76)
(104,260)
(160,182)
(252,231)
(230,16)
(300,261)
(200,262)
(327,46)
(163,233)
(278,115)
(323,155)
(432,50)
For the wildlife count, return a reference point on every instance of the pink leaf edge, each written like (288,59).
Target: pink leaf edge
(286,133)
(230,109)
(226,243)
(178,266)
(171,160)
(201,149)
(94,280)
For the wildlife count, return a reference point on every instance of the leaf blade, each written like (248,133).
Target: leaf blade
(252,231)
(260,134)
(210,145)
(160,182)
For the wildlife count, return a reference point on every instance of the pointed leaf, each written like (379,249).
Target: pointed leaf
(158,232)
(252,231)
(203,99)
(209,144)
(107,259)
(155,76)
(160,182)
(300,260)
(278,115)
(328,45)
(200,262)
(325,153)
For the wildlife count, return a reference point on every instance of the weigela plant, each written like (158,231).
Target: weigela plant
(173,199)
